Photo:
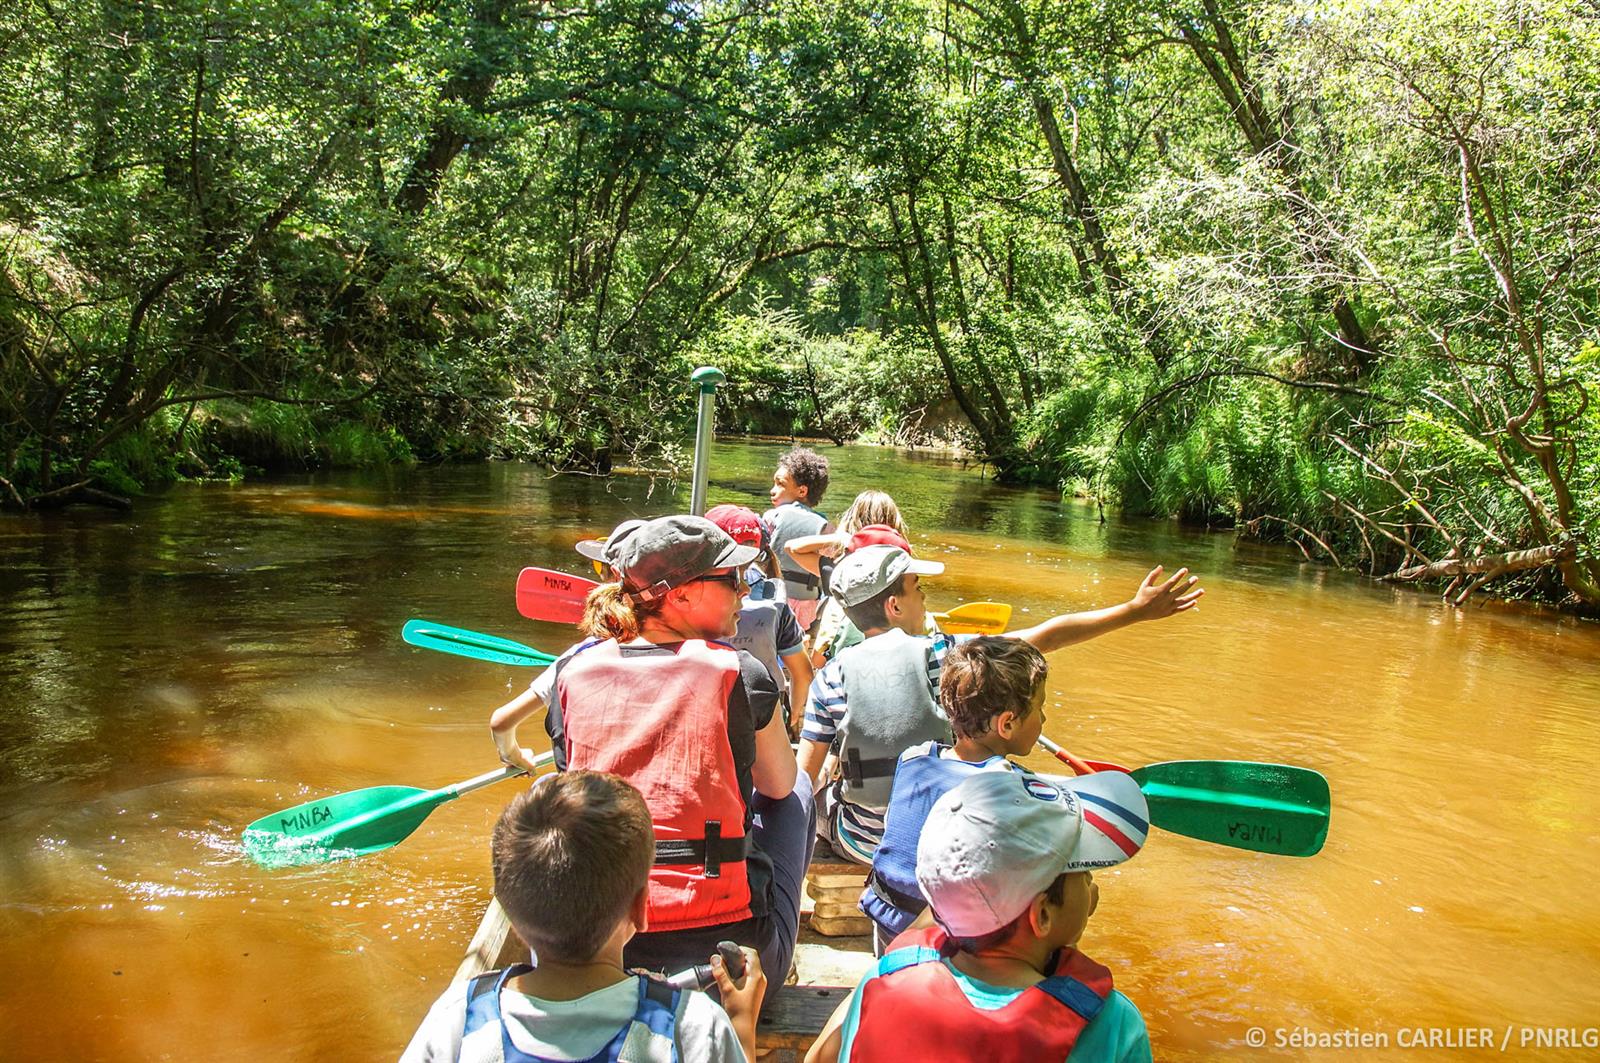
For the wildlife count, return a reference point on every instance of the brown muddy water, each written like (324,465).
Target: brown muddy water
(167,677)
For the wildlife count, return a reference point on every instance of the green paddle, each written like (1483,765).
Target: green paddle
(434,636)
(355,823)
(1265,808)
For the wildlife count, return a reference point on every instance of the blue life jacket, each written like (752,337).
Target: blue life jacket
(642,1038)
(892,898)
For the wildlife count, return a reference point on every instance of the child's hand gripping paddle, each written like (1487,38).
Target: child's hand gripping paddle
(1264,808)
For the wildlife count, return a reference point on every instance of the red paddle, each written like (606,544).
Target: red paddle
(1079,767)
(543,594)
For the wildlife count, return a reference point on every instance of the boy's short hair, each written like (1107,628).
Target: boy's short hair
(871,613)
(986,676)
(808,469)
(570,855)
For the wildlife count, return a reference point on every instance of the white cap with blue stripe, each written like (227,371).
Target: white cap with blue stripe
(998,840)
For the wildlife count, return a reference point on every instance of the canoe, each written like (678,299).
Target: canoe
(828,965)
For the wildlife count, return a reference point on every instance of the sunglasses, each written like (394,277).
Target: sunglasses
(732,579)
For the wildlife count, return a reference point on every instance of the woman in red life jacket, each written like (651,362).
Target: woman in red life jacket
(691,722)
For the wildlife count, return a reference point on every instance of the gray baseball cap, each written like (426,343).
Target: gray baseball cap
(868,572)
(670,551)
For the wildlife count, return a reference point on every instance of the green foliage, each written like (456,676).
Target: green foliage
(1328,273)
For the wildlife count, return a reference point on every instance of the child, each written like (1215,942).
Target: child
(571,859)
(833,630)
(992,690)
(767,630)
(816,553)
(797,488)
(1006,862)
(877,699)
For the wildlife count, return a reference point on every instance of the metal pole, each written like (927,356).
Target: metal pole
(707,377)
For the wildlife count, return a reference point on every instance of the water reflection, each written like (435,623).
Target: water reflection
(169,676)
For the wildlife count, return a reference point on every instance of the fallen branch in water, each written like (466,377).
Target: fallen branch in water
(1254,527)
(1485,566)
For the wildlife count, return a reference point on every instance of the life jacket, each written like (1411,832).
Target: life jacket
(892,897)
(649,1037)
(795,520)
(889,707)
(658,717)
(915,1009)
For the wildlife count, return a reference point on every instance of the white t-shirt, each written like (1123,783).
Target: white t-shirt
(567,1029)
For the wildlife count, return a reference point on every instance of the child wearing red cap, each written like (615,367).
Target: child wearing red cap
(767,630)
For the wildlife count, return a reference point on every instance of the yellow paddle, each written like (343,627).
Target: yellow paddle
(975,618)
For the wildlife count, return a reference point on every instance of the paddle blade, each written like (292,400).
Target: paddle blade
(341,826)
(430,635)
(975,618)
(1265,808)
(543,594)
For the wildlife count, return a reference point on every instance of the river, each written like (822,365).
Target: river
(170,675)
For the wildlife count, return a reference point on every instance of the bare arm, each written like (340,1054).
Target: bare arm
(1154,600)
(799,668)
(503,727)
(809,550)
(826,1047)
(742,999)
(812,756)
(774,771)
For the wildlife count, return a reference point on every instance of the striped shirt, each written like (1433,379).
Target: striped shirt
(860,827)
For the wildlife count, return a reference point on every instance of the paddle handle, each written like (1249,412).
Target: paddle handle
(489,778)
(1078,767)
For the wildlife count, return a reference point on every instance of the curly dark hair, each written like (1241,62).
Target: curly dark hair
(809,470)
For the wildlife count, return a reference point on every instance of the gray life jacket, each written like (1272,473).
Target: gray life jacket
(790,521)
(889,707)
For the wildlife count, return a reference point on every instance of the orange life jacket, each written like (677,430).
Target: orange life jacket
(658,717)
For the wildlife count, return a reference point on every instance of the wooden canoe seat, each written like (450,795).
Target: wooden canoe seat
(832,891)
(794,1017)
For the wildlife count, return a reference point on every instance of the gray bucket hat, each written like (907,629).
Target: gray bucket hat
(604,550)
(670,551)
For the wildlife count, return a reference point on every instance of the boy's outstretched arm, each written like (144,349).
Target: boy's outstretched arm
(1154,600)
(742,1000)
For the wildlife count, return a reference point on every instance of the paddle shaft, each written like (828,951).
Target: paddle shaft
(1079,767)
(431,635)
